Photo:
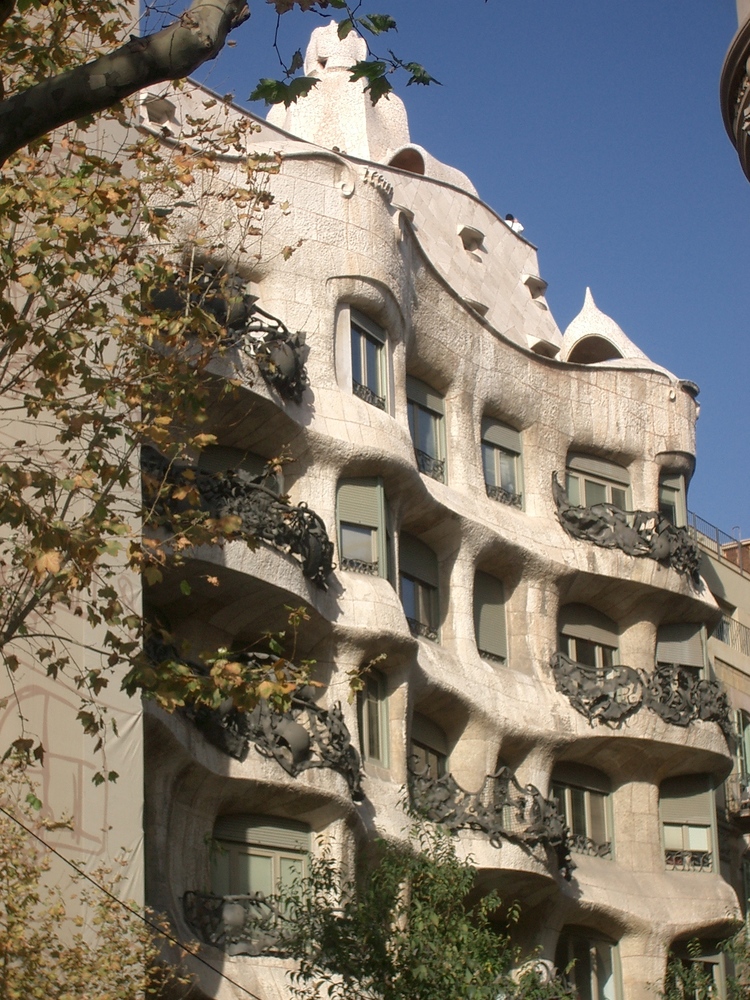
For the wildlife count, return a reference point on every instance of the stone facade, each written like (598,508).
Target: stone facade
(442,402)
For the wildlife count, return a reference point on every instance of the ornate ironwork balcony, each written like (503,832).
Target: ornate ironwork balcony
(239,925)
(263,513)
(430,466)
(504,496)
(366,393)
(502,809)
(580,844)
(610,695)
(360,566)
(637,532)
(688,861)
(421,629)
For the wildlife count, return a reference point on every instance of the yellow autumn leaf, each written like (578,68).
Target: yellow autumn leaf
(67,223)
(48,562)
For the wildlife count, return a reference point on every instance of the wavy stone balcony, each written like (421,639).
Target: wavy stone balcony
(502,809)
(638,533)
(264,515)
(238,925)
(610,695)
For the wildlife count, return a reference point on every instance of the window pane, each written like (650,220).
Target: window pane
(607,655)
(573,489)
(411,412)
(508,471)
(372,708)
(697,838)
(254,874)
(672,837)
(291,870)
(426,439)
(488,462)
(582,969)
(605,976)
(619,498)
(220,878)
(586,652)
(358,542)
(598,813)
(578,811)
(409,597)
(595,493)
(372,365)
(558,792)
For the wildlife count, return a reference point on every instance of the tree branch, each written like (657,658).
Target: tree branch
(174,52)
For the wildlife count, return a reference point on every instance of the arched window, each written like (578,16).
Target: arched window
(426,411)
(682,645)
(687,810)
(418,584)
(672,503)
(587,636)
(369,362)
(258,854)
(429,747)
(372,706)
(593,964)
(590,480)
(501,459)
(361,519)
(583,795)
(489,617)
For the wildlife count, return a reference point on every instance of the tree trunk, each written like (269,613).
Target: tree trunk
(170,54)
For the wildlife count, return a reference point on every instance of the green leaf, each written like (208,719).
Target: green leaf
(185,588)
(34,802)
(377,24)
(344,28)
(296,64)
(419,74)
(278,92)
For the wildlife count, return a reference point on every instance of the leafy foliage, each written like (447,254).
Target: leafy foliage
(404,931)
(692,978)
(47,948)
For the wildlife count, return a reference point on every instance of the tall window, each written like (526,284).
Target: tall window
(501,459)
(373,718)
(489,617)
(369,380)
(426,411)
(587,636)
(258,854)
(418,582)
(594,972)
(672,504)
(590,480)
(681,645)
(686,806)
(429,747)
(583,796)
(361,517)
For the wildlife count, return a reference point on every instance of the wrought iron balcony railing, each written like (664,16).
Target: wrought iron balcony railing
(360,566)
(418,628)
(366,393)
(430,466)
(638,533)
(504,496)
(734,634)
(688,861)
(238,925)
(580,844)
(610,695)
(502,809)
(262,512)
(719,543)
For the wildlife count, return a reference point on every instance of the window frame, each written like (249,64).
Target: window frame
(426,736)
(418,566)
(570,778)
(487,606)
(682,644)
(372,708)
(565,954)
(423,403)
(274,838)
(365,513)
(580,623)
(370,381)
(694,809)
(673,494)
(500,440)
(582,469)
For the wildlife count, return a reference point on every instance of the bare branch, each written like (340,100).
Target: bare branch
(174,52)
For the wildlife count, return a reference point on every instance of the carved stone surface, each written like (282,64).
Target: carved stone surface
(504,496)
(502,809)
(307,736)
(430,466)
(610,695)
(637,532)
(239,925)
(688,861)
(263,513)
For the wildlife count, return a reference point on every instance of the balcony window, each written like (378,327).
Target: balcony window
(686,807)
(418,584)
(372,707)
(583,796)
(592,962)
(426,411)
(588,637)
(368,344)
(681,645)
(361,517)
(672,503)
(428,748)
(501,459)
(258,854)
(590,481)
(489,617)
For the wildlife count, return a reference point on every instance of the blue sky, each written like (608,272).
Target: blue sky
(597,123)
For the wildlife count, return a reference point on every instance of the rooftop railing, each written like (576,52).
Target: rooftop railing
(734,634)
(719,543)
